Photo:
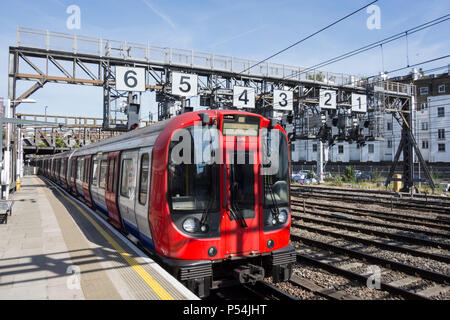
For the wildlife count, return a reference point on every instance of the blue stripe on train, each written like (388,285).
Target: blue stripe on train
(101,208)
(146,241)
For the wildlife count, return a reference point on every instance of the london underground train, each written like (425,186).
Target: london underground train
(205,193)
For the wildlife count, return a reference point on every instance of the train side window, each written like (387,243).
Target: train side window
(127,177)
(143,179)
(95,173)
(80,171)
(103,166)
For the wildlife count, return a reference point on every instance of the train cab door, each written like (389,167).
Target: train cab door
(241,223)
(87,175)
(111,189)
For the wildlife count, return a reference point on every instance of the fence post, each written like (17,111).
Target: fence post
(47,41)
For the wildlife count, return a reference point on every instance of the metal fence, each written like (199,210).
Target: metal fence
(49,40)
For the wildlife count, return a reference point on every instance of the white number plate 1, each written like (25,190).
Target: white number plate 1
(327,99)
(359,102)
(130,79)
(184,84)
(283,100)
(243,97)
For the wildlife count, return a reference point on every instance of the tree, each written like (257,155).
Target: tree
(349,174)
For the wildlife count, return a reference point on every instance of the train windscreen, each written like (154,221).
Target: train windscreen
(276,182)
(193,181)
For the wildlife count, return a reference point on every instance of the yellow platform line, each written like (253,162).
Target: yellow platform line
(152,283)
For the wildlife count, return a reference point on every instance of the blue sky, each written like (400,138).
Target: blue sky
(252,29)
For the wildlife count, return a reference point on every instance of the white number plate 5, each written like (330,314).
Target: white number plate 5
(184,84)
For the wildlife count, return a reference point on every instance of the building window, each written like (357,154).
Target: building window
(441,112)
(424,144)
(425,126)
(441,134)
(389,126)
(423,91)
(389,143)
(441,147)
(292,147)
(340,149)
(441,88)
(423,106)
(371,148)
(314,147)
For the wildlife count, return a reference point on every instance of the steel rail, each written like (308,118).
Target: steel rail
(426,222)
(375,243)
(377,224)
(303,258)
(393,201)
(388,235)
(381,192)
(388,263)
(367,193)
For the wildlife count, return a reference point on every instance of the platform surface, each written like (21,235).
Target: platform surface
(54,247)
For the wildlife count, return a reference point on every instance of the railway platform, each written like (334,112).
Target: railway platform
(54,247)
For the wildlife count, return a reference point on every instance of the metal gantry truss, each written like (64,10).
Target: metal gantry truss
(70,59)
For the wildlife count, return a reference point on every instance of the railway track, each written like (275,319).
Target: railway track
(261,290)
(411,249)
(407,281)
(430,205)
(422,196)
(408,219)
(412,236)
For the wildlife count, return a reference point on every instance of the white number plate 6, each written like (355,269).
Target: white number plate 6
(130,79)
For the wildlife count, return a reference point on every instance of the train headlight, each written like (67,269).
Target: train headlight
(190,225)
(282,216)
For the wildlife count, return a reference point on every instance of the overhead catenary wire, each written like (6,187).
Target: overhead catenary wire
(373,45)
(309,36)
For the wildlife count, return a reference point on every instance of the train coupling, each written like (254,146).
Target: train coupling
(249,273)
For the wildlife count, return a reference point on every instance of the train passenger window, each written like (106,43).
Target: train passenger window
(95,173)
(143,179)
(80,169)
(103,165)
(127,180)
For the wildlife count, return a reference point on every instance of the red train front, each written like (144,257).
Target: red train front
(206,192)
(220,199)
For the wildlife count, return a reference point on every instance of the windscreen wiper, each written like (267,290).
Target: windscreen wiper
(275,209)
(211,200)
(237,213)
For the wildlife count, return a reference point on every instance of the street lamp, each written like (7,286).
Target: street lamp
(6,164)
